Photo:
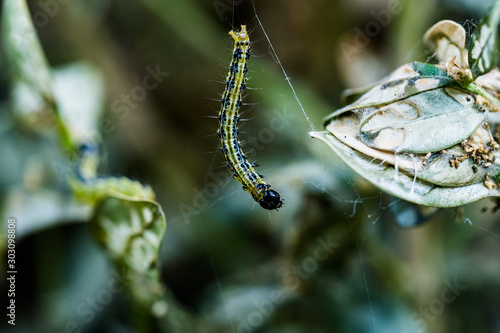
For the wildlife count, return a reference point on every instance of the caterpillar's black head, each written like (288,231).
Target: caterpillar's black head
(271,200)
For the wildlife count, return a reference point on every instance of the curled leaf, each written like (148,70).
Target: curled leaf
(399,184)
(434,168)
(447,40)
(426,122)
(407,80)
(131,232)
(417,134)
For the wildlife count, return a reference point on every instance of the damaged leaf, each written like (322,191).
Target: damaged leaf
(424,134)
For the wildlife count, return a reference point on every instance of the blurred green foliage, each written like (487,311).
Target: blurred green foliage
(332,260)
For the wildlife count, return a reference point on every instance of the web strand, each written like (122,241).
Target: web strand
(287,78)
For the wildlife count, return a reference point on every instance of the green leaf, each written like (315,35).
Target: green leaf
(426,122)
(33,100)
(401,185)
(79,91)
(483,47)
(23,50)
(431,71)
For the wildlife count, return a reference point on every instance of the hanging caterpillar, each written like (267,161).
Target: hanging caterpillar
(242,170)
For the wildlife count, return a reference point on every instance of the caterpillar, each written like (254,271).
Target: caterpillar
(236,160)
(90,188)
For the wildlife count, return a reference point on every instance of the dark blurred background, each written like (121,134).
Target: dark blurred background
(336,258)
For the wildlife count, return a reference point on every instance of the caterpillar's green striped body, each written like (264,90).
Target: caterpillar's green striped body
(89,188)
(242,170)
